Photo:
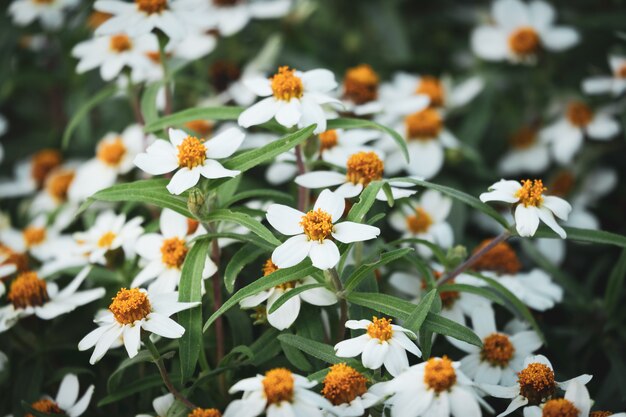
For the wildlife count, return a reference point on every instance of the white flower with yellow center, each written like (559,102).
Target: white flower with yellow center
(49,12)
(336,144)
(575,403)
(114,156)
(614,84)
(130,311)
(566,135)
(520,32)
(312,233)
(163,254)
(527,153)
(161,405)
(286,315)
(360,91)
(531,205)
(40,239)
(66,401)
(292,97)
(278,393)
(31,174)
(383,344)
(346,389)
(190,157)
(55,190)
(436,387)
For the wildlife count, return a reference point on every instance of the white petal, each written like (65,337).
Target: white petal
(213,169)
(292,251)
(463,403)
(289,114)
(331,203)
(225,144)
(68,392)
(285,219)
(526,220)
(324,255)
(259,113)
(183,180)
(602,127)
(489,43)
(132,340)
(348,232)
(510,13)
(351,347)
(163,326)
(286,314)
(558,206)
(547,217)
(374,354)
(320,179)
(559,38)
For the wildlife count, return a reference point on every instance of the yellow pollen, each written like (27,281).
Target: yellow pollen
(343,384)
(328,139)
(317,224)
(286,85)
(524,138)
(120,43)
(536,382)
(205,412)
(497,349)
(97,18)
(33,236)
(419,222)
(423,125)
(58,183)
(361,84)
(501,259)
(42,163)
(173,252)
(531,193)
(128,306)
(106,239)
(278,385)
(524,41)
(191,152)
(579,114)
(600,414)
(380,329)
(563,183)
(431,87)
(559,408)
(151,6)
(27,290)
(203,127)
(269,267)
(439,374)
(364,167)
(45,405)
(111,152)
(192,226)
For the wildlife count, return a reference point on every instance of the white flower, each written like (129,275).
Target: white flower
(195,45)
(29,294)
(520,31)
(130,312)
(66,402)
(311,232)
(535,384)
(360,91)
(382,344)
(292,97)
(190,157)
(278,393)
(40,239)
(531,205)
(31,174)
(114,156)
(161,405)
(346,389)
(49,13)
(575,403)
(534,288)
(55,191)
(433,388)
(425,220)
(614,84)
(336,144)
(527,153)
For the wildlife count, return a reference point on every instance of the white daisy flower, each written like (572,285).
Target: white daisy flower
(565,136)
(360,91)
(277,393)
(535,384)
(287,314)
(520,31)
(382,344)
(31,295)
(161,405)
(436,387)
(195,45)
(576,403)
(49,12)
(131,311)
(335,144)
(55,190)
(311,232)
(531,205)
(282,169)
(426,220)
(163,254)
(31,174)
(39,239)
(66,401)
(614,84)
(190,157)
(527,153)
(292,97)
(346,389)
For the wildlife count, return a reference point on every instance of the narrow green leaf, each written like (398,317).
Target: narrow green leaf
(137,385)
(292,293)
(273,195)
(84,110)
(296,357)
(250,238)
(364,270)
(345,123)
(242,219)
(182,117)
(388,194)
(368,197)
(585,235)
(316,349)
(148,102)
(116,376)
(418,315)
(246,254)
(615,284)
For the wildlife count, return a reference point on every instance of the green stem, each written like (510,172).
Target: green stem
(334,276)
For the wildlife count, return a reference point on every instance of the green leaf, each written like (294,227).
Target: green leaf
(116,376)
(182,117)
(250,238)
(585,235)
(366,200)
(615,284)
(244,220)
(137,385)
(364,270)
(277,196)
(344,123)
(418,315)
(190,290)
(316,349)
(246,254)
(148,102)
(388,194)
(296,357)
(292,293)
(84,109)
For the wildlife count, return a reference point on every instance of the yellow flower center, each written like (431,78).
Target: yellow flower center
(563,183)
(151,6)
(531,193)
(579,114)
(20,260)
(439,374)
(423,125)
(501,259)
(524,41)
(364,167)
(524,138)
(111,152)
(419,222)
(559,408)
(173,252)
(106,239)
(317,224)
(497,349)
(45,405)
(431,87)
(97,18)
(536,382)
(203,127)
(192,226)
(269,267)
(328,139)
(58,183)
(33,235)
(343,384)
(128,306)
(278,385)
(361,84)
(205,412)
(191,152)
(42,163)
(28,290)
(621,71)
(286,85)
(600,414)
(120,43)
(380,329)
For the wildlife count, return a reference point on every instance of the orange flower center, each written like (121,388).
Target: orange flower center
(28,290)
(364,167)
(423,125)
(203,127)
(317,224)
(559,408)
(439,374)
(173,252)
(278,385)
(563,183)
(361,84)
(524,138)
(191,152)
(192,226)
(111,152)
(58,183)
(497,349)
(600,414)
(128,306)
(20,260)
(447,297)
(120,43)
(42,163)
(286,85)
(380,329)
(205,412)
(419,222)
(45,405)
(536,382)
(343,384)
(328,139)
(579,114)
(33,235)
(621,71)
(97,18)
(151,6)
(531,193)
(524,41)
(269,267)
(431,87)
(501,259)
(106,239)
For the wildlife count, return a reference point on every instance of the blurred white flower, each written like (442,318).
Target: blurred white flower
(31,174)
(66,401)
(360,91)
(527,153)
(49,12)
(40,239)
(161,405)
(346,389)
(575,403)
(614,84)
